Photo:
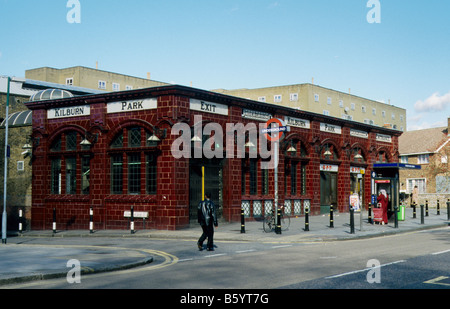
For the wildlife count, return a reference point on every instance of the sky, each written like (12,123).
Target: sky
(393,51)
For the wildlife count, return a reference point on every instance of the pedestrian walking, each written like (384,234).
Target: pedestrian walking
(207,217)
(415,196)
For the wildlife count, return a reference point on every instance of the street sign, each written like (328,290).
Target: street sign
(275,130)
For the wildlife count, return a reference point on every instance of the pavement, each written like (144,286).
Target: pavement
(21,261)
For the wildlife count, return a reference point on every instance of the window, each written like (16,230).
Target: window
(116,174)
(71,175)
(326,113)
(133,162)
(134,173)
(253,176)
(374,111)
(116,87)
(295,178)
(328,152)
(277,98)
(243,178)
(69,81)
(421,184)
(71,141)
(363,109)
(329,101)
(382,157)
(383,113)
(264,182)
(128,87)
(134,137)
(403,159)
(357,155)
(150,164)
(262,99)
(316,97)
(20,166)
(294,165)
(56,176)
(341,103)
(352,106)
(69,165)
(295,169)
(293,97)
(347,117)
(423,159)
(85,174)
(101,84)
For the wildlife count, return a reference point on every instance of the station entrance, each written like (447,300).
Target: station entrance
(205,175)
(385,176)
(328,191)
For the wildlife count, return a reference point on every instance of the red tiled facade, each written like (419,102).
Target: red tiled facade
(71,178)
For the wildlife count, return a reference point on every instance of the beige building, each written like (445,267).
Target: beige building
(429,148)
(317,99)
(91,78)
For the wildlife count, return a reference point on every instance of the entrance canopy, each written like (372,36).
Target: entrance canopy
(386,176)
(397,165)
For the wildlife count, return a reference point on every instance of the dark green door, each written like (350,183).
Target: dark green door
(328,191)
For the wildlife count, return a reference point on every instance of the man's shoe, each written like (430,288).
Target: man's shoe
(200,247)
(210,249)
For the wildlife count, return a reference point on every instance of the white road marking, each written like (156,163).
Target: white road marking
(362,270)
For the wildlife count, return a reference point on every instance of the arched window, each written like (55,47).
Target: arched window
(382,157)
(328,152)
(357,155)
(133,162)
(70,164)
(295,168)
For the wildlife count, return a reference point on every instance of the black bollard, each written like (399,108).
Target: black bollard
(414,210)
(370,214)
(54,220)
(132,220)
(307,219)
(91,220)
(396,216)
(242,221)
(422,219)
(20,221)
(448,212)
(438,210)
(331,216)
(278,223)
(352,221)
(426,208)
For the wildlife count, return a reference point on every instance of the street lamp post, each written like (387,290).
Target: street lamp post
(4,221)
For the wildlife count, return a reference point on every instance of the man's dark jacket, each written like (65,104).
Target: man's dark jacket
(207,213)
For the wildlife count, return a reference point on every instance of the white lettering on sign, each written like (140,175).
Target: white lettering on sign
(325,127)
(357,170)
(66,112)
(329,168)
(208,107)
(383,138)
(256,115)
(131,106)
(357,133)
(296,122)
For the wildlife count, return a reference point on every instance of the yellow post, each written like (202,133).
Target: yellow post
(203,182)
